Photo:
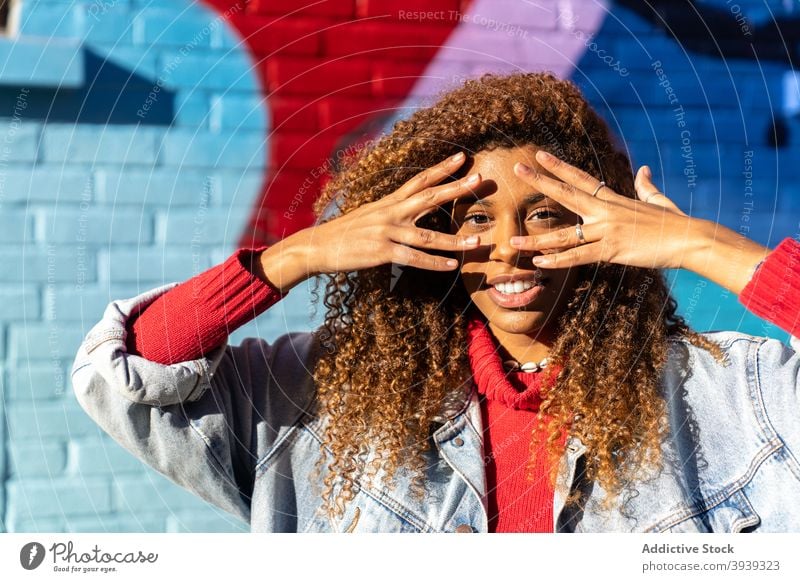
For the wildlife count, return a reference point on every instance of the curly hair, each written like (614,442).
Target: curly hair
(398,345)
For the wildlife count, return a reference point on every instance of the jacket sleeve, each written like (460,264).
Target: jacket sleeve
(778,378)
(773,293)
(204,423)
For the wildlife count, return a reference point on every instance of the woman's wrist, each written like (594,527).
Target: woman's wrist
(723,255)
(284,264)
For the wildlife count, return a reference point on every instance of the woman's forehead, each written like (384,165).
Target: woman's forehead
(499,183)
(502,160)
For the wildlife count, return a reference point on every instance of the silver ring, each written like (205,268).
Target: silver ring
(596,190)
(579,234)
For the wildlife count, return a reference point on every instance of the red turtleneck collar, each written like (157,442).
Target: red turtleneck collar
(516,390)
(517,501)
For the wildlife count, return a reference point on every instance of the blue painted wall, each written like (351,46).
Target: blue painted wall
(131,151)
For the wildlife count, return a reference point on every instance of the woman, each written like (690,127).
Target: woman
(500,351)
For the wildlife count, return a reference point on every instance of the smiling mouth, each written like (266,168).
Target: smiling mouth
(516,295)
(511,288)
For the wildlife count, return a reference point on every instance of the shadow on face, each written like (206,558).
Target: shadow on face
(502,206)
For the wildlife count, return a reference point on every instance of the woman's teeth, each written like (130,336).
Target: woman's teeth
(514,287)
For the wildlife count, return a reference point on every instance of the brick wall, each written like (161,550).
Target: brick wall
(141,170)
(138,139)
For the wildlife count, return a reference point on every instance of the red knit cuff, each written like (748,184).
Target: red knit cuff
(773,292)
(241,287)
(198,315)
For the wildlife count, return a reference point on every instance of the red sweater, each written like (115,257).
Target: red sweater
(773,293)
(198,315)
(509,403)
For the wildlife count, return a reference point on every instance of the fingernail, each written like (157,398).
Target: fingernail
(543,155)
(458,157)
(471,240)
(540,260)
(516,241)
(452,262)
(522,168)
(472,179)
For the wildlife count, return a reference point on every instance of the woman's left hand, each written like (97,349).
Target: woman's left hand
(650,232)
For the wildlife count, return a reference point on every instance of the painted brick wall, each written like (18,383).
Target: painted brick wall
(141,170)
(330,68)
(136,144)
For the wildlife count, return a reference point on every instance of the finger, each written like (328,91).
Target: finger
(644,184)
(581,255)
(431,176)
(557,239)
(428,199)
(649,192)
(431,239)
(565,194)
(404,255)
(568,173)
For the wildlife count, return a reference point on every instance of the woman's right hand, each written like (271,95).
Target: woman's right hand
(376,233)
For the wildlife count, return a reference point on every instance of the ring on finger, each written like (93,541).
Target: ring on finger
(579,234)
(599,186)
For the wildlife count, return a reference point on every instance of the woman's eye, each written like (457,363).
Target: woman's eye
(545,213)
(540,214)
(476,219)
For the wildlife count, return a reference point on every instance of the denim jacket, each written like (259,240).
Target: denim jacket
(238,428)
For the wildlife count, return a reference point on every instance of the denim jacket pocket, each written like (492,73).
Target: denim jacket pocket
(734,514)
(364,513)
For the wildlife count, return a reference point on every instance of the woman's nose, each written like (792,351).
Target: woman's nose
(501,245)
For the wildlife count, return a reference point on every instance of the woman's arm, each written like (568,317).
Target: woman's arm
(197,316)
(195,421)
(206,421)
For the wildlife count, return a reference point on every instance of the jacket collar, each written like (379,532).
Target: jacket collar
(456,403)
